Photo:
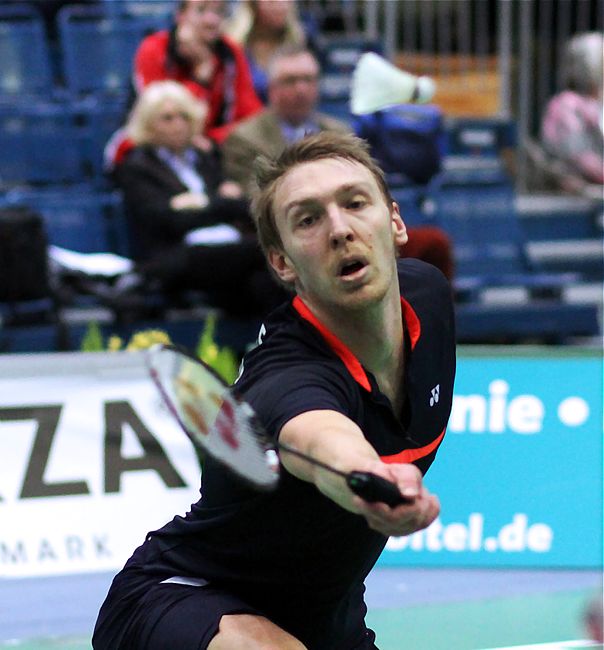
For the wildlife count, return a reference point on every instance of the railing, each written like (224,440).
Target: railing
(489,57)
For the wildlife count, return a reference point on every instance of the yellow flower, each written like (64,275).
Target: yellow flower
(147,338)
(114,343)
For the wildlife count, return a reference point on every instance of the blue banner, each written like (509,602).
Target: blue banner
(519,474)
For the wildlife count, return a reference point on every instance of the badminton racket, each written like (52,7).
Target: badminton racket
(224,426)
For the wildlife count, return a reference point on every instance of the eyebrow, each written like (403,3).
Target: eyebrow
(309,201)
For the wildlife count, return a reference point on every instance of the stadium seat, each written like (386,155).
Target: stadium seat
(479,213)
(338,55)
(98,48)
(40,142)
(543,321)
(485,137)
(79,219)
(101,118)
(564,233)
(25,59)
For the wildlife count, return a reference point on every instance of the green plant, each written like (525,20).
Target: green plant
(92,340)
(223,360)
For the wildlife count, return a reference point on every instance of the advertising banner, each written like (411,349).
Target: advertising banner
(519,474)
(90,462)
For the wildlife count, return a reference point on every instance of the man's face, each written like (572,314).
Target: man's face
(203,18)
(339,235)
(294,87)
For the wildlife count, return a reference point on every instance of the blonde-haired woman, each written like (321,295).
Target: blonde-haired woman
(171,187)
(261,27)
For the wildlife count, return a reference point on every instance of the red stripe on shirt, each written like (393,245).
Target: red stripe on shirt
(352,364)
(409,455)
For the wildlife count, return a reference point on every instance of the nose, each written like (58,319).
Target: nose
(340,229)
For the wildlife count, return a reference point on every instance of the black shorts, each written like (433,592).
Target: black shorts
(174,615)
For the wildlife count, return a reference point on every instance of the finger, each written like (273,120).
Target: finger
(409,481)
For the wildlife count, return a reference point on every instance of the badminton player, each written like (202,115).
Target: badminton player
(356,371)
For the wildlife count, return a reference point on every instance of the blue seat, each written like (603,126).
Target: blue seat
(78,219)
(340,54)
(98,48)
(410,199)
(486,137)
(100,117)
(547,321)
(25,59)
(478,211)
(40,142)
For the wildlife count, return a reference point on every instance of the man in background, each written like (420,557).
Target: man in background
(293,95)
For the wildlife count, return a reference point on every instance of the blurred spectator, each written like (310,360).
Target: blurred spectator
(261,27)
(571,131)
(196,53)
(291,114)
(171,189)
(593,619)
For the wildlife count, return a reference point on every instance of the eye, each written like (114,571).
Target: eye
(306,220)
(356,203)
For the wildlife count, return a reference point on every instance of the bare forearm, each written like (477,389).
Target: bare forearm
(333,439)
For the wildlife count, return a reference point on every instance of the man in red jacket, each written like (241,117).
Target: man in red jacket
(212,67)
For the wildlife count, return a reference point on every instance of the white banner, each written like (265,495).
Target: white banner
(89,462)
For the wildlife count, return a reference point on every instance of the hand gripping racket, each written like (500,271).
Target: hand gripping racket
(226,427)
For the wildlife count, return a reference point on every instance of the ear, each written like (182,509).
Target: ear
(282,266)
(399,230)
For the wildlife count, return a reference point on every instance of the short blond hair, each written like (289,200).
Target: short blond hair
(269,172)
(149,103)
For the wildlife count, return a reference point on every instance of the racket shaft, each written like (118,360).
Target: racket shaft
(375,489)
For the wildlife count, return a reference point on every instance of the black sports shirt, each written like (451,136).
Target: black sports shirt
(293,553)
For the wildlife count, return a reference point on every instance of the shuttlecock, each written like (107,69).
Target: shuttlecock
(377,84)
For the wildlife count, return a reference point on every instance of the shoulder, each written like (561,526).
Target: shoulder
(428,296)
(254,130)
(140,156)
(417,275)
(292,371)
(424,287)
(158,41)
(231,49)
(287,344)
(328,123)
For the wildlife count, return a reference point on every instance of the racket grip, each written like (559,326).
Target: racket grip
(375,489)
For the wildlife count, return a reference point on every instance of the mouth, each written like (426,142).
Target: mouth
(351,267)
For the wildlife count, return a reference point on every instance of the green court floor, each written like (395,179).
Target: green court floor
(470,625)
(482,624)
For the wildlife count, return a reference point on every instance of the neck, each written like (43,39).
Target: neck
(374,335)
(179,152)
(295,122)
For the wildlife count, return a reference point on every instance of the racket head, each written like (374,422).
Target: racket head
(212,415)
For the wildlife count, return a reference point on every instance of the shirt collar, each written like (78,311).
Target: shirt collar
(353,365)
(293,133)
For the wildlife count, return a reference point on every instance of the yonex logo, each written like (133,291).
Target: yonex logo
(434,395)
